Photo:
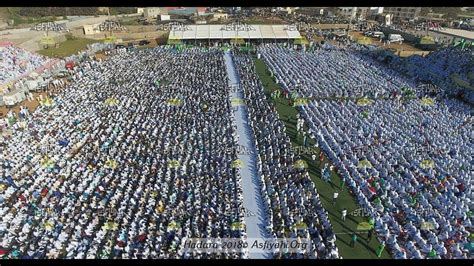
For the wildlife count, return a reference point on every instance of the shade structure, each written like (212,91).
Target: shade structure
(223,32)
(427,40)
(237,40)
(174,40)
(301,41)
(364,40)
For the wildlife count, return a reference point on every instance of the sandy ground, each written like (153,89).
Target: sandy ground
(31,105)
(375,41)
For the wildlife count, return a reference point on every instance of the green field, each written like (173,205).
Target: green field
(461,83)
(67,48)
(343,230)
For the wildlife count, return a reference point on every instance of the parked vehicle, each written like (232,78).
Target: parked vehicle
(395,38)
(368,33)
(378,34)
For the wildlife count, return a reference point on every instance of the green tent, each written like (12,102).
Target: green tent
(237,41)
(364,226)
(364,40)
(427,40)
(301,41)
(174,41)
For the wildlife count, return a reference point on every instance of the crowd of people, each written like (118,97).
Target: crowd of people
(124,162)
(132,157)
(330,73)
(15,62)
(292,204)
(407,161)
(439,66)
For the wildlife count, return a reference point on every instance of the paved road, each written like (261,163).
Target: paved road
(253,203)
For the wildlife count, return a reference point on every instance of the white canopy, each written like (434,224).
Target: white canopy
(220,31)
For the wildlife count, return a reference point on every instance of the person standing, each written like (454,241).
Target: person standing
(341,185)
(380,249)
(344,213)
(305,139)
(353,240)
(334,198)
(369,234)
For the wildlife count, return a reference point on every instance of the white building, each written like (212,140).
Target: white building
(140,10)
(290,10)
(219,16)
(154,12)
(227,32)
(349,12)
(91,29)
(376,10)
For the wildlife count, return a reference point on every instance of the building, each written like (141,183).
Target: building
(140,10)
(153,12)
(372,12)
(290,10)
(348,12)
(361,13)
(224,33)
(220,16)
(458,34)
(200,11)
(403,13)
(91,29)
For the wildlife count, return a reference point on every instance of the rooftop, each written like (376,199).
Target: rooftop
(458,33)
(222,31)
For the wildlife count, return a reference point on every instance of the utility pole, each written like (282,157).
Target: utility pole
(428,27)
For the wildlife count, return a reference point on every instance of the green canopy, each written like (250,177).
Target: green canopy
(237,40)
(427,40)
(301,41)
(364,40)
(174,41)
(364,226)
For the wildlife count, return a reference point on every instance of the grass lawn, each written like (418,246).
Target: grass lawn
(343,230)
(461,83)
(67,48)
